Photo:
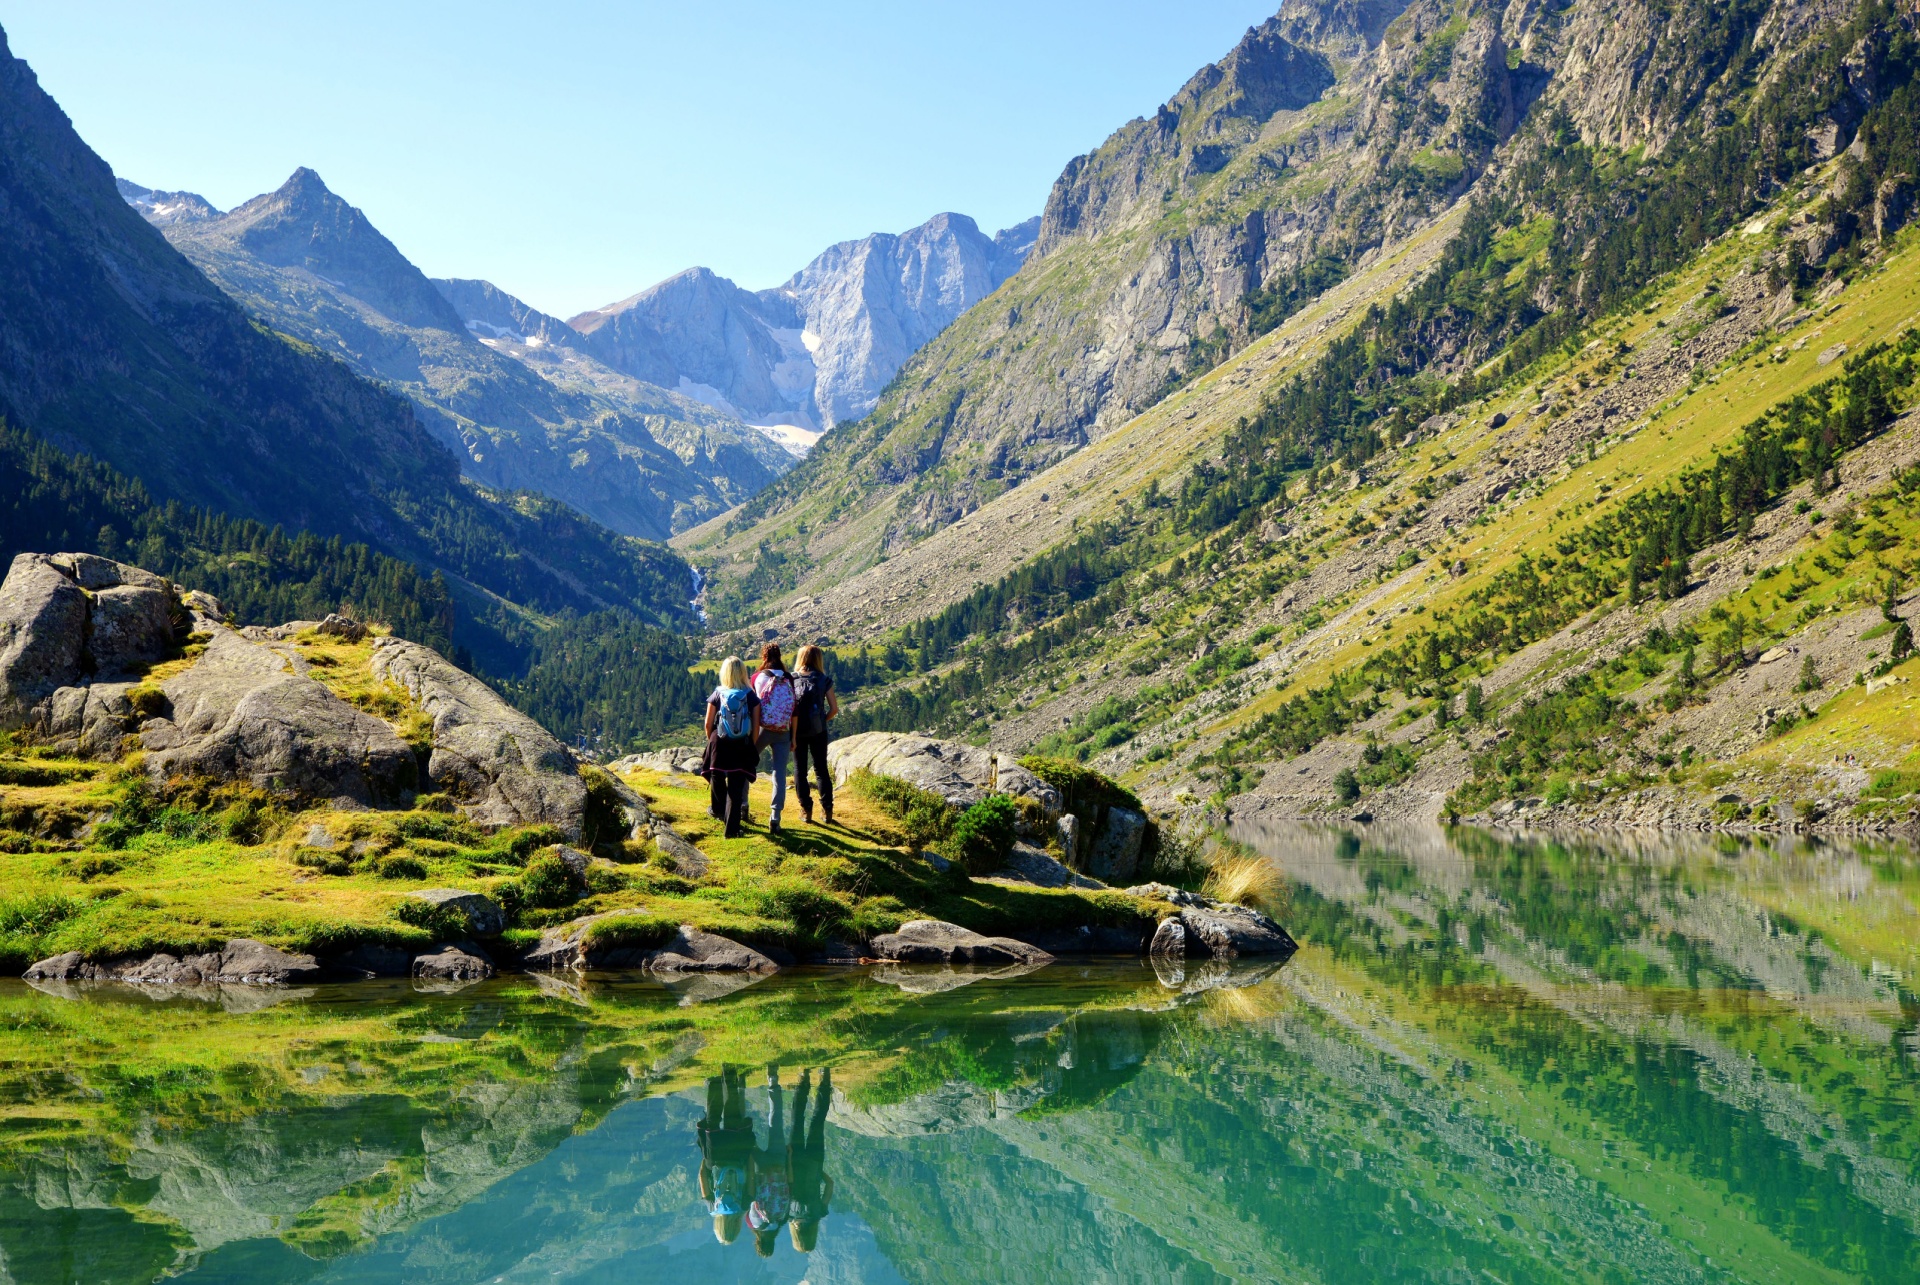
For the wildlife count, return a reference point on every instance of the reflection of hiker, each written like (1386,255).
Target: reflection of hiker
(806,1163)
(774,686)
(772,1192)
(814,706)
(733,744)
(726,1153)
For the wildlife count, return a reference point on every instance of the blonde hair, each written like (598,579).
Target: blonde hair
(726,1228)
(733,672)
(811,659)
(805,1235)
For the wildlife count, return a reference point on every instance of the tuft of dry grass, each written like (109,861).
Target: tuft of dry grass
(1247,879)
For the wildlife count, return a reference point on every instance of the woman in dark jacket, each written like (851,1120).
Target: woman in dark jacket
(733,744)
(814,706)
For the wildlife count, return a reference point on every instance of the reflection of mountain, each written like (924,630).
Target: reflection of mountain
(1523,1062)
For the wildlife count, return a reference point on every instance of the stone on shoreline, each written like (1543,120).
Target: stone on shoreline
(241,962)
(935,941)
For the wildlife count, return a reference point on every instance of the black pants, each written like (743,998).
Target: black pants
(811,748)
(727,795)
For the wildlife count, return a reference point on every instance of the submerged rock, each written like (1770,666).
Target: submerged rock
(241,962)
(961,774)
(934,941)
(505,768)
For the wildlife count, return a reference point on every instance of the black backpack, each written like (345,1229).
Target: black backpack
(810,703)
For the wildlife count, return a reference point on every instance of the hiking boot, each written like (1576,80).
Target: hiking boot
(806,814)
(827,814)
(773,827)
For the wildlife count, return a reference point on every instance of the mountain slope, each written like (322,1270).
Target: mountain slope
(1590,483)
(819,348)
(1327,133)
(310,265)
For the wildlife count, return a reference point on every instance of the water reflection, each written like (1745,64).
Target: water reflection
(1523,1059)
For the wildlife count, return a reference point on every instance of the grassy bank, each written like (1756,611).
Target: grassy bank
(93,858)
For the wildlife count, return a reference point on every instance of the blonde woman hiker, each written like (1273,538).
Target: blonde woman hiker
(732,757)
(814,706)
(774,686)
(726,1153)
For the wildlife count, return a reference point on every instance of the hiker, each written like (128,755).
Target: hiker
(812,1190)
(774,686)
(772,1190)
(732,757)
(814,706)
(726,1153)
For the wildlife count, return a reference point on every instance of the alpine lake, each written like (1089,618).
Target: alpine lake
(1495,1058)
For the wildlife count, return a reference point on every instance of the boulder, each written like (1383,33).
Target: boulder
(961,774)
(453,962)
(484,916)
(684,759)
(1115,852)
(240,713)
(43,622)
(688,861)
(692,950)
(1028,864)
(241,962)
(503,767)
(1089,939)
(93,720)
(1210,929)
(934,941)
(337,626)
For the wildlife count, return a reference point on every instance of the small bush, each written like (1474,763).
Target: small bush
(518,845)
(442,922)
(632,932)
(399,866)
(1346,786)
(925,818)
(37,913)
(985,834)
(1245,877)
(1080,786)
(327,863)
(549,884)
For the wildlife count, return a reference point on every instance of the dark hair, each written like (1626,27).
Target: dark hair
(770,657)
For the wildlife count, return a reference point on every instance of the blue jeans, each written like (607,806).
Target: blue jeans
(781,745)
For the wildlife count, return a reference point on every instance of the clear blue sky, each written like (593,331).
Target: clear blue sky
(576,152)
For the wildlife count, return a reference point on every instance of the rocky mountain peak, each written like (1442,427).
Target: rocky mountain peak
(164,208)
(302,224)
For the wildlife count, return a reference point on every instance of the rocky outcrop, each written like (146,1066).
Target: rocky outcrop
(1210,929)
(483,915)
(961,774)
(934,941)
(1028,864)
(577,945)
(453,962)
(241,962)
(68,620)
(503,767)
(242,713)
(1114,854)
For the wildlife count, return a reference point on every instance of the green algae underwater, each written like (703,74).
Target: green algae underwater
(1493,1059)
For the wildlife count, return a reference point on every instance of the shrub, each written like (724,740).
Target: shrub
(926,820)
(1346,786)
(327,863)
(985,834)
(606,822)
(399,866)
(549,883)
(1080,786)
(1172,856)
(1245,877)
(37,913)
(441,921)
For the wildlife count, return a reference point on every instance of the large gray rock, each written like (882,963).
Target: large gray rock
(1210,929)
(1028,864)
(484,916)
(241,713)
(1115,852)
(692,950)
(503,767)
(241,962)
(453,962)
(934,941)
(961,774)
(67,619)
(688,950)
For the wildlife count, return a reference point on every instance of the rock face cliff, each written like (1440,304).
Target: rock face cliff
(818,349)
(309,264)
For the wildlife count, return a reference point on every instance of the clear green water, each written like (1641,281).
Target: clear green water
(1490,1062)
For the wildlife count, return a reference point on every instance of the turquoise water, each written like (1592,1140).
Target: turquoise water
(1491,1061)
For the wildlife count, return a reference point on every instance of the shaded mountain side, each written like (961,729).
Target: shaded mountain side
(1326,135)
(307,264)
(113,345)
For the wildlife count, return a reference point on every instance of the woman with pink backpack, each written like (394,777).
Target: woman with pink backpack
(774,686)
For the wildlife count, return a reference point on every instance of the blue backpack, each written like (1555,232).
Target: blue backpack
(736,720)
